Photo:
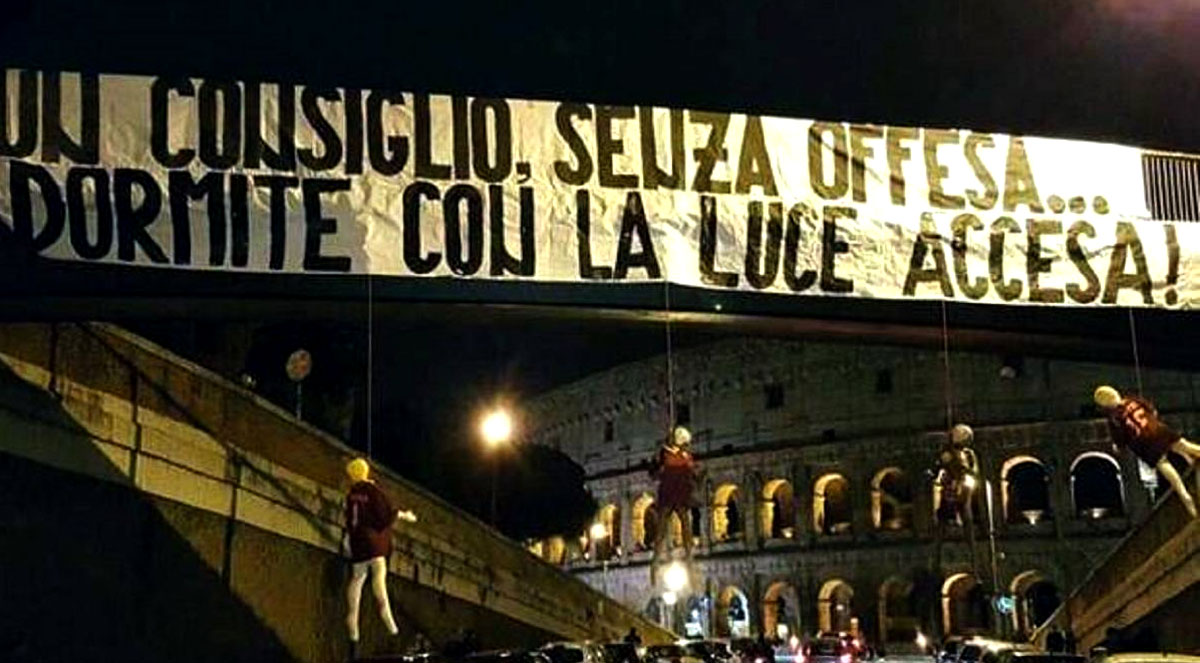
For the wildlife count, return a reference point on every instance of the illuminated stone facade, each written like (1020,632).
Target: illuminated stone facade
(817,505)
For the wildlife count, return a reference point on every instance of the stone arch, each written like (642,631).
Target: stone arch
(1037,597)
(891,499)
(778,515)
(733,613)
(781,610)
(726,515)
(1097,488)
(1025,490)
(897,615)
(964,606)
(645,522)
(835,609)
(831,504)
(608,546)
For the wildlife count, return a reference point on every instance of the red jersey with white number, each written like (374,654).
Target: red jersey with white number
(1134,423)
(369,518)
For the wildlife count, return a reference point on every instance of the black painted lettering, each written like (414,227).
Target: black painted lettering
(580,174)
(160,121)
(831,246)
(134,217)
(754,165)
(1036,264)
(220,124)
(458,196)
(461,138)
(181,190)
(973,288)
(985,199)
(354,132)
(800,215)
(19,141)
(713,151)
(492,158)
(1127,242)
(935,172)
(708,247)
(1079,258)
(77,212)
(331,143)
(423,136)
(633,222)
(277,186)
(239,220)
(859,153)
(20,177)
(897,154)
(1008,290)
(282,157)
(816,160)
(56,141)
(654,177)
(608,146)
(928,242)
(316,224)
(760,272)
(1019,188)
(502,262)
(583,231)
(417,263)
(389,154)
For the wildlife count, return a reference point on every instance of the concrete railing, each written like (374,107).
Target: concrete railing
(174,430)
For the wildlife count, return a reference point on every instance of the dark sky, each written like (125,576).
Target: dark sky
(1116,69)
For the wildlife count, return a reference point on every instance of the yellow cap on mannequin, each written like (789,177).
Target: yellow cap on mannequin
(1106,397)
(358,470)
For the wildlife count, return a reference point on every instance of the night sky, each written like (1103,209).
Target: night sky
(1122,70)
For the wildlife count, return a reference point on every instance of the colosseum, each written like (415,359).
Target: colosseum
(818,507)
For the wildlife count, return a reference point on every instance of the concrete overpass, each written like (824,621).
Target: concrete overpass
(1147,587)
(154,511)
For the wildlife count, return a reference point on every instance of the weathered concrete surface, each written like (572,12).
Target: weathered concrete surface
(153,511)
(1149,583)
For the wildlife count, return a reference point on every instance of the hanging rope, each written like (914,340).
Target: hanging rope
(949,387)
(1137,360)
(670,358)
(370,361)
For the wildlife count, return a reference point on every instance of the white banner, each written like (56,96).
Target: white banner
(217,175)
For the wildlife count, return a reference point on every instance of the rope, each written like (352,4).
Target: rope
(370,361)
(670,358)
(1137,360)
(946,365)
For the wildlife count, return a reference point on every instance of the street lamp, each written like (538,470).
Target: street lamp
(496,429)
(676,577)
(597,532)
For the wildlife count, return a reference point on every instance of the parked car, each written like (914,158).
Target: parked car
(573,652)
(949,650)
(1027,654)
(1101,656)
(507,656)
(621,652)
(828,649)
(710,651)
(670,654)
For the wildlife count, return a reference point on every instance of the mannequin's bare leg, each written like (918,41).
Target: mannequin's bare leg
(1189,450)
(1168,471)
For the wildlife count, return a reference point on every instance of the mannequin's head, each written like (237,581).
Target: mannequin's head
(681,437)
(1106,397)
(961,435)
(358,470)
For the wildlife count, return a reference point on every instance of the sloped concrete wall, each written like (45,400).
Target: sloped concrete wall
(158,511)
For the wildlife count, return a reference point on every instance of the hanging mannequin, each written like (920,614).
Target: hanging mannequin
(369,518)
(1133,423)
(956,462)
(677,474)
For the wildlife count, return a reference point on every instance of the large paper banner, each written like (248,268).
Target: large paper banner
(238,176)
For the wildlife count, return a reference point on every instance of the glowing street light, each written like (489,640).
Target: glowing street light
(676,577)
(496,427)
(598,531)
(922,641)
(670,598)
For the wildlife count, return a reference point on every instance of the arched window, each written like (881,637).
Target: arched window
(1096,487)
(778,510)
(1037,598)
(835,609)
(964,606)
(891,500)
(644,523)
(727,518)
(608,545)
(897,616)
(831,504)
(781,616)
(1025,490)
(733,614)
